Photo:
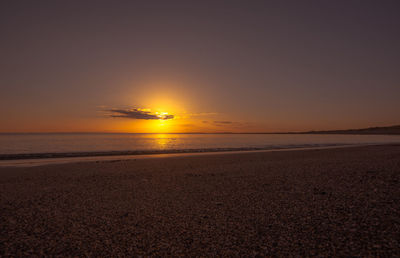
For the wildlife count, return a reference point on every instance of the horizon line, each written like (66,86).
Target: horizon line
(279,132)
(147,133)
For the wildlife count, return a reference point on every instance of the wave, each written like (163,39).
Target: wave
(20,156)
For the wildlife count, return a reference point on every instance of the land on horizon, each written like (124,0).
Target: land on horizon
(370,130)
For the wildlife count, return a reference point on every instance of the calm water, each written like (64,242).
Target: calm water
(67,143)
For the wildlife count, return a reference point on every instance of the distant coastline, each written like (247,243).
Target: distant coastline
(387,130)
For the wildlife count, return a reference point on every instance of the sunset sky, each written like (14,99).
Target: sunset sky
(198,66)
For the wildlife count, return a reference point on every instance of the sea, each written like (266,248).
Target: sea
(43,145)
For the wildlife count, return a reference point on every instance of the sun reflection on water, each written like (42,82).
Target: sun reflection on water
(164,141)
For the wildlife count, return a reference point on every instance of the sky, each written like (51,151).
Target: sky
(198,66)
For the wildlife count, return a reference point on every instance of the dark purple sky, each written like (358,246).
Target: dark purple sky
(257,65)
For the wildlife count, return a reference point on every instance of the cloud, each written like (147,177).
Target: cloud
(225,123)
(139,113)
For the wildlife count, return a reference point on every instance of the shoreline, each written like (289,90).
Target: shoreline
(117,156)
(50,155)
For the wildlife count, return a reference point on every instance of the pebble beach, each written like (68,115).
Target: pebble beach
(327,202)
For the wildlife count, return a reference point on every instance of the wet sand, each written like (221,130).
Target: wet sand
(327,202)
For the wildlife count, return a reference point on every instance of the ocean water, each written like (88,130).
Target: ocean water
(79,143)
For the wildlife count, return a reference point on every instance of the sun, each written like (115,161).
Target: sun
(161,126)
(163,115)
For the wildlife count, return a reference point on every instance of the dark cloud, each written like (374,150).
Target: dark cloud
(222,123)
(139,113)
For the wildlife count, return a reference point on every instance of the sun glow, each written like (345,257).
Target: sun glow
(169,105)
(159,126)
(163,115)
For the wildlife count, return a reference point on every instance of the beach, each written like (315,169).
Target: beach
(323,202)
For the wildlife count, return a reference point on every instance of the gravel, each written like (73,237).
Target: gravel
(332,202)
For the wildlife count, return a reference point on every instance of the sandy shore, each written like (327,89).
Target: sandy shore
(330,202)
